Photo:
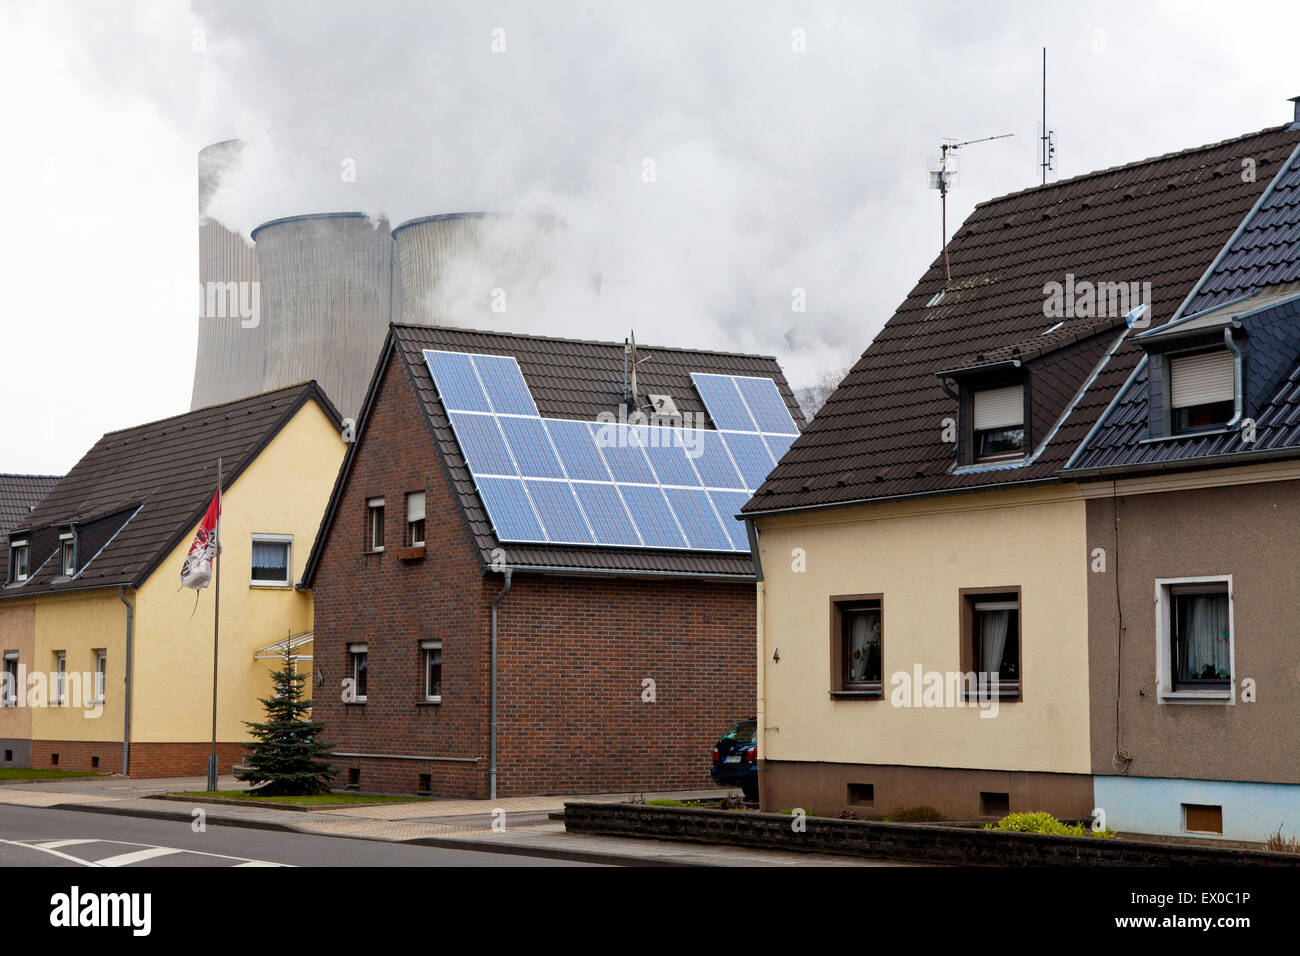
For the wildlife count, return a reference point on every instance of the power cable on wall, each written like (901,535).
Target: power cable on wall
(1121,759)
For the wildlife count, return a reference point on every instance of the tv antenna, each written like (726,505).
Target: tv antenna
(1046,136)
(943,176)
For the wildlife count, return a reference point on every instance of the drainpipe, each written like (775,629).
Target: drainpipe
(760,670)
(1239,399)
(492,746)
(126,719)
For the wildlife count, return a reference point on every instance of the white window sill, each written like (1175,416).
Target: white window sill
(275,585)
(1196,697)
(430,700)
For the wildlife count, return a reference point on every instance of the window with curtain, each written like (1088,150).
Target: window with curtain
(994,639)
(1200,638)
(271,560)
(360,667)
(860,642)
(432,651)
(415,519)
(375,524)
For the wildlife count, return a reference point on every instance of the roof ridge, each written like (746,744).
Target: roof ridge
(1046,187)
(208,408)
(571,341)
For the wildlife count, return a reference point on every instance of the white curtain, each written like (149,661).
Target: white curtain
(993,630)
(269,556)
(1207,636)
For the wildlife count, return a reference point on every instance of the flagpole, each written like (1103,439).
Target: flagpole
(216,633)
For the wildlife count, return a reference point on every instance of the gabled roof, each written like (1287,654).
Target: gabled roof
(19,494)
(139,491)
(1161,220)
(568,378)
(1253,285)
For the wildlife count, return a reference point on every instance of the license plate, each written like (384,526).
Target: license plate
(734,758)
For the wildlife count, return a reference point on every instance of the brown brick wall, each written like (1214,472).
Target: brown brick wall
(573,651)
(147,759)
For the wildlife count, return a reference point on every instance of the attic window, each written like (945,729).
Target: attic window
(1202,389)
(19,560)
(68,555)
(998,422)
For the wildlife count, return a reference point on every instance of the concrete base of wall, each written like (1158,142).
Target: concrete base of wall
(457,780)
(15,752)
(148,759)
(1249,811)
(873,791)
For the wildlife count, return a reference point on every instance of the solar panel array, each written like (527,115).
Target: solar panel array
(611,484)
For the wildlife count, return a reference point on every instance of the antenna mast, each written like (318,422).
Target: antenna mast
(1047,137)
(944,178)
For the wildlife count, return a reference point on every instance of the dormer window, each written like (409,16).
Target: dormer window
(1202,390)
(19,560)
(68,554)
(998,423)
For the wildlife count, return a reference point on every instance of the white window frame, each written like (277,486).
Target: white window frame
(68,541)
(10,699)
(977,427)
(14,547)
(60,678)
(411,519)
(425,647)
(101,674)
(373,504)
(1165,693)
(355,651)
(285,539)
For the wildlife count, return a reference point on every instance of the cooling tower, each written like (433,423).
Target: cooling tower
(231,348)
(325,299)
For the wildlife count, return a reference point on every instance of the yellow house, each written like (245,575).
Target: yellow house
(108,663)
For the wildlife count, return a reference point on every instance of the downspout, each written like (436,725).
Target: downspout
(1238,399)
(760,706)
(126,719)
(492,745)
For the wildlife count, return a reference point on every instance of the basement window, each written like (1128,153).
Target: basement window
(1195,646)
(1202,389)
(19,560)
(375,524)
(998,423)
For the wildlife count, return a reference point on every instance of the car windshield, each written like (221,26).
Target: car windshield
(744,732)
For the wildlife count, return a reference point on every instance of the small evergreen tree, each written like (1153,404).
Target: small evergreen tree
(288,759)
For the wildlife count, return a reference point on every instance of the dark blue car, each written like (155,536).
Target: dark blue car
(735,758)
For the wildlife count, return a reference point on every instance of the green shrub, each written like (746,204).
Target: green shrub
(922,814)
(1042,822)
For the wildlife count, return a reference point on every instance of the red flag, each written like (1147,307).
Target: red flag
(197,571)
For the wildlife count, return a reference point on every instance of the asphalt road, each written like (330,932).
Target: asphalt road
(69,838)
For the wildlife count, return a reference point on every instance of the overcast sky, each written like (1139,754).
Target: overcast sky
(789,144)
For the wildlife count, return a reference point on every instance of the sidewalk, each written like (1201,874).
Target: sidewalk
(528,827)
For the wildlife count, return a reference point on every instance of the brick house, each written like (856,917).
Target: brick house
(624,633)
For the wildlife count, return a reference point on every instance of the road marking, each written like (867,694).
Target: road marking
(137,856)
(55,844)
(62,856)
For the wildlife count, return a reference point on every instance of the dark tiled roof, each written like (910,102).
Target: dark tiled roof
(138,491)
(1161,221)
(19,494)
(1262,265)
(571,379)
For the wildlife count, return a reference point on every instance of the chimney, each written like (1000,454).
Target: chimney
(1296,101)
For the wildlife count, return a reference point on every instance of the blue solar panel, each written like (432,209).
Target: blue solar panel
(560,512)
(528,440)
(778,445)
(724,403)
(622,447)
(668,457)
(506,388)
(698,519)
(512,515)
(605,511)
(728,505)
(481,442)
(766,405)
(712,461)
(458,386)
(653,517)
(752,456)
(577,450)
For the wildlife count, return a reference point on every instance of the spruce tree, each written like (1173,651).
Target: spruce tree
(288,758)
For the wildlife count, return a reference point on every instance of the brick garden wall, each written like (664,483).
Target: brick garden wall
(573,652)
